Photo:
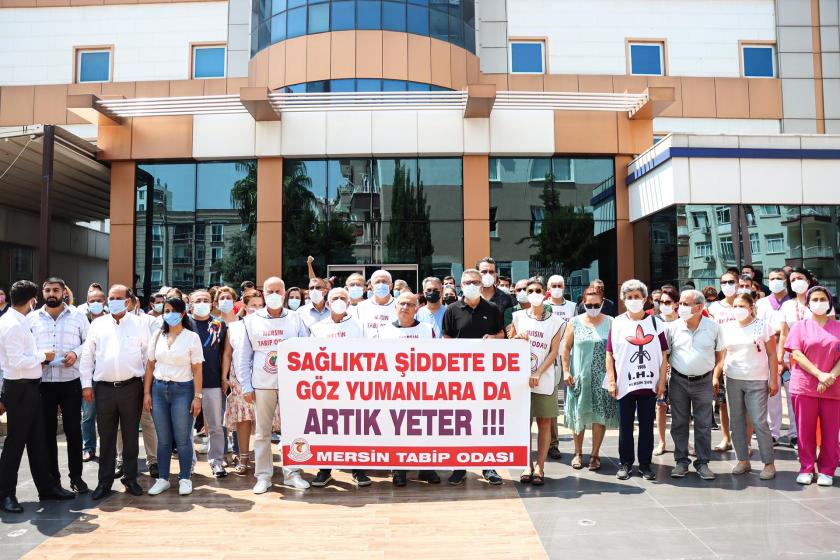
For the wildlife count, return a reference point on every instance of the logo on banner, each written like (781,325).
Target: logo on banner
(270,365)
(299,450)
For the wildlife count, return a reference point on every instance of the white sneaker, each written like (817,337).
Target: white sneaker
(296,481)
(805,478)
(160,486)
(262,486)
(203,447)
(825,480)
(185,487)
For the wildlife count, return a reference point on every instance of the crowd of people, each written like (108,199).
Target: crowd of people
(197,363)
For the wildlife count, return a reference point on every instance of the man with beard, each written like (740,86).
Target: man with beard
(58,327)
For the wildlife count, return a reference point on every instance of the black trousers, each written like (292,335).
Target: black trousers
(628,406)
(67,396)
(25,430)
(118,407)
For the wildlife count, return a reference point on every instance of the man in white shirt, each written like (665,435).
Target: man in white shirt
(114,357)
(381,309)
(64,330)
(265,330)
(95,309)
(316,310)
(20,362)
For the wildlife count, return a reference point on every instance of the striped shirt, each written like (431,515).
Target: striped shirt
(65,334)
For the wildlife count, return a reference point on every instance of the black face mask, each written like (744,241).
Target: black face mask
(432,296)
(53,303)
(449,300)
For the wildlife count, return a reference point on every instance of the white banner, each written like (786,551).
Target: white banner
(398,404)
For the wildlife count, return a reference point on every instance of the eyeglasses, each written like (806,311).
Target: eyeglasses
(728,282)
(471,282)
(535,291)
(406,304)
(520,290)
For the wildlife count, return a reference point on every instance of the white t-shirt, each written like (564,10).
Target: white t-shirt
(565,311)
(764,311)
(348,327)
(373,316)
(175,363)
(722,312)
(540,336)
(419,330)
(746,354)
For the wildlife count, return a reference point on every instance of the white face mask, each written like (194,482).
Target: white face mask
(556,293)
(744,291)
(471,291)
(158,308)
(776,286)
(274,301)
(819,307)
(356,292)
(666,310)
(535,299)
(487,280)
(316,296)
(799,286)
(741,313)
(504,289)
(634,305)
(729,290)
(594,312)
(201,309)
(521,297)
(685,312)
(338,306)
(225,305)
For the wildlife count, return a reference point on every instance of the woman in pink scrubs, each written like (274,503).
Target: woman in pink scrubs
(814,344)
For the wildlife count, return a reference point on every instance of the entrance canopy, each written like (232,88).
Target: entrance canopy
(81,184)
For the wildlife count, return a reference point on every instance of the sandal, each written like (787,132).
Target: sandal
(526,477)
(721,447)
(577,462)
(242,464)
(660,449)
(594,463)
(537,479)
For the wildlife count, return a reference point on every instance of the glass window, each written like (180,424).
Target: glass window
(755,244)
(322,86)
(768,210)
(647,59)
(393,85)
(93,66)
(368,84)
(263,36)
(527,57)
(368,15)
(699,220)
(759,61)
(216,254)
(722,215)
(343,16)
(278,28)
(494,225)
(469,38)
(319,18)
(278,6)
(775,243)
(343,85)
(209,62)
(703,249)
(439,25)
(416,86)
(456,30)
(296,22)
(295,3)
(218,232)
(418,20)
(393,16)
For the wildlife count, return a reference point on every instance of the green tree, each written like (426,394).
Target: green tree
(243,195)
(240,262)
(409,237)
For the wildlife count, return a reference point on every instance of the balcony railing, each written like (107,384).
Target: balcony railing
(818,252)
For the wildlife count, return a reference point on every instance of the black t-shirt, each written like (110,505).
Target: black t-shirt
(211,371)
(501,300)
(462,321)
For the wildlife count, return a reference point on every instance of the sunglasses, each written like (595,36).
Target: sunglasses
(728,282)
(592,305)
(666,302)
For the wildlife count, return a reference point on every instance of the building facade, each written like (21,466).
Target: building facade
(594,138)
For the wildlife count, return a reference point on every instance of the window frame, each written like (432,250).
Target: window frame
(770,239)
(196,46)
(758,44)
(77,62)
(542,41)
(662,43)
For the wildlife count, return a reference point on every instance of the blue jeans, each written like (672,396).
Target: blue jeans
(173,424)
(89,425)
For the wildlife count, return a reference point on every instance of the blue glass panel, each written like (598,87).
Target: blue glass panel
(343,85)
(526,57)
(278,28)
(264,9)
(438,88)
(343,16)
(418,20)
(368,85)
(416,86)
(469,38)
(297,88)
(439,27)
(318,1)
(420,2)
(296,22)
(210,62)
(442,5)
(646,60)
(456,31)
(319,18)
(296,3)
(393,85)
(393,16)
(278,6)
(264,36)
(368,15)
(95,66)
(322,86)
(758,62)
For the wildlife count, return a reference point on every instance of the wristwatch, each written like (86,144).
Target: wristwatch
(198,396)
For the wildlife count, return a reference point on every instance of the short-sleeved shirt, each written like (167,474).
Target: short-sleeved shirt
(435,320)
(722,312)
(638,348)
(501,300)
(463,321)
(746,353)
(213,345)
(693,352)
(175,363)
(821,345)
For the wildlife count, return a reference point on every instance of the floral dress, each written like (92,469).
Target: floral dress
(588,403)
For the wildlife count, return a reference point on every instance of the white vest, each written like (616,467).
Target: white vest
(637,351)
(540,336)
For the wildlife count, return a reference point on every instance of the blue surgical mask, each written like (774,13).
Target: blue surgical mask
(294,303)
(355,292)
(381,290)
(95,307)
(117,306)
(201,309)
(172,318)
(226,305)
(397,293)
(370,294)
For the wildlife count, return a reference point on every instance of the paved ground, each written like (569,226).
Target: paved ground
(577,513)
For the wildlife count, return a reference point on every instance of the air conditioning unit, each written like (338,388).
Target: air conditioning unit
(708,260)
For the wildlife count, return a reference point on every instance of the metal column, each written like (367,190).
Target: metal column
(46,190)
